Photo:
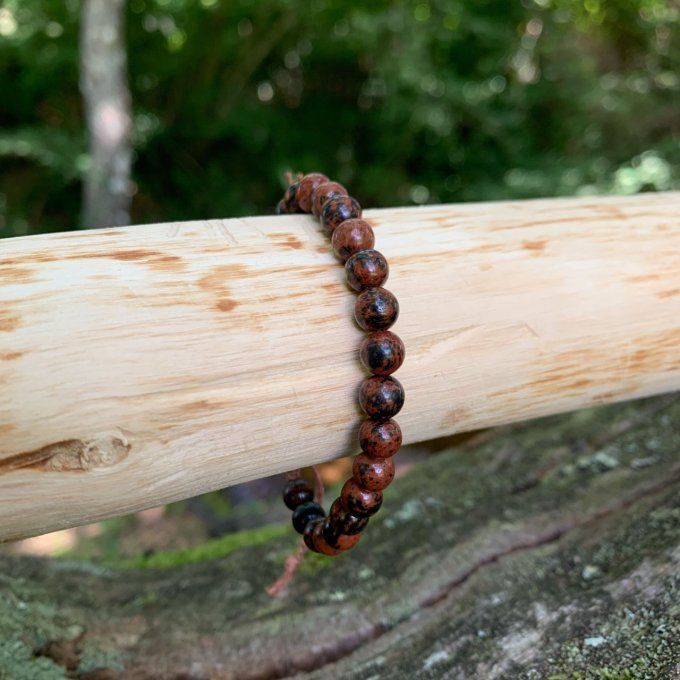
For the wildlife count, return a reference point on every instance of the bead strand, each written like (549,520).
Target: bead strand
(381,396)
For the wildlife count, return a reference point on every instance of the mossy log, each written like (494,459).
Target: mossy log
(547,550)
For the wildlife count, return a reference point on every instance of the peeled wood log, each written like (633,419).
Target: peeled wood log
(143,365)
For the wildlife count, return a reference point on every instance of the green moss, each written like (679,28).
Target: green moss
(219,547)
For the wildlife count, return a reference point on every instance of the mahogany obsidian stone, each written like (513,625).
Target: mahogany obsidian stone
(296,492)
(366,269)
(381,397)
(338,209)
(374,474)
(376,309)
(305,513)
(315,541)
(382,352)
(336,539)
(352,236)
(359,501)
(323,192)
(306,188)
(380,438)
(344,522)
(289,199)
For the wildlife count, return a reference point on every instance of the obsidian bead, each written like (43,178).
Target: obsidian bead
(304,514)
(323,192)
(381,397)
(366,269)
(289,199)
(350,237)
(314,539)
(376,309)
(374,474)
(380,438)
(306,189)
(382,352)
(345,522)
(296,492)
(336,539)
(359,501)
(338,209)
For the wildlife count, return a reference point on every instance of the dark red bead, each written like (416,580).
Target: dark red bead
(373,474)
(289,199)
(337,540)
(306,513)
(352,236)
(382,352)
(306,188)
(366,269)
(376,309)
(323,192)
(380,438)
(359,501)
(314,540)
(337,210)
(296,492)
(381,397)
(345,522)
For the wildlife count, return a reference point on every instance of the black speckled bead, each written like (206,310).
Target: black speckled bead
(289,199)
(337,210)
(323,192)
(374,474)
(380,438)
(366,269)
(381,397)
(336,539)
(351,236)
(306,189)
(358,501)
(382,352)
(304,514)
(376,309)
(296,492)
(345,522)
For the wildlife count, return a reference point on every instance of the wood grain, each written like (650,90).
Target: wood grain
(143,365)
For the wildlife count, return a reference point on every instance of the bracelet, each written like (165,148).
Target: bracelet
(382,352)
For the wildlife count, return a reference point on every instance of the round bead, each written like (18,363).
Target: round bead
(380,438)
(373,474)
(289,199)
(376,309)
(382,352)
(314,540)
(381,397)
(345,522)
(338,209)
(366,269)
(337,540)
(323,192)
(304,514)
(352,236)
(306,188)
(296,492)
(358,501)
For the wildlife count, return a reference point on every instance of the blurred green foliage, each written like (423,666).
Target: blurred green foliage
(406,101)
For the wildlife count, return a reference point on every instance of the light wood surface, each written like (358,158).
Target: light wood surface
(146,364)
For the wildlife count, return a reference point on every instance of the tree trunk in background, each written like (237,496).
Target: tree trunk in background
(546,550)
(103,82)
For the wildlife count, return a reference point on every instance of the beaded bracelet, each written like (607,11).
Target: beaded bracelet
(382,352)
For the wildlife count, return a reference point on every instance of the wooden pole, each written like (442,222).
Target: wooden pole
(143,365)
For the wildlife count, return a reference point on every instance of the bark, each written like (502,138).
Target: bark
(548,550)
(103,74)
